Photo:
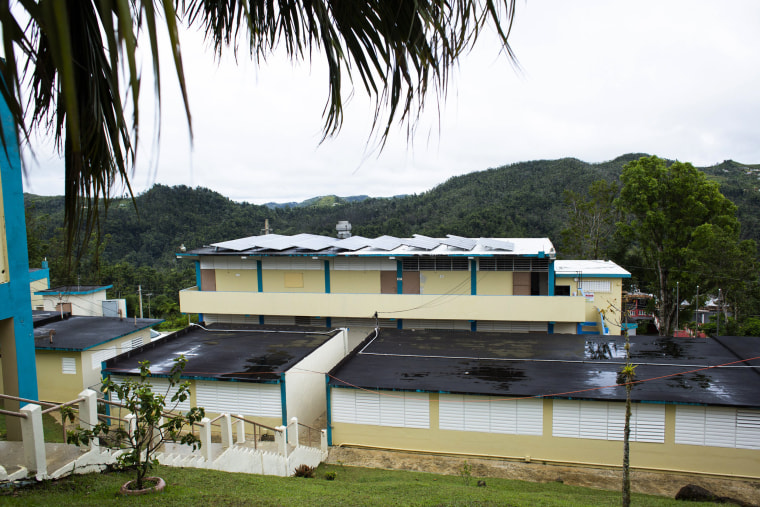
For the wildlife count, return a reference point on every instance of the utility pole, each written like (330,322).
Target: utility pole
(696,314)
(139,294)
(678,305)
(149,294)
(719,306)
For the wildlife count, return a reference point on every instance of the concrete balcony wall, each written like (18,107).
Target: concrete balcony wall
(403,306)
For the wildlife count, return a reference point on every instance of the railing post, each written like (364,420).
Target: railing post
(131,423)
(281,440)
(241,430)
(293,434)
(205,435)
(34,440)
(226,424)
(88,414)
(323,440)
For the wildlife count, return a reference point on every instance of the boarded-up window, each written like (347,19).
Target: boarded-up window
(294,280)
(388,283)
(411,281)
(263,400)
(521,283)
(208,279)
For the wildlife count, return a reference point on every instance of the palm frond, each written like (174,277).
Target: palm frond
(77,52)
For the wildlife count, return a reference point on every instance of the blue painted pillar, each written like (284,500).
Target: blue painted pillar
(259,277)
(473,277)
(329,410)
(399,278)
(198,274)
(551,277)
(327,277)
(16,328)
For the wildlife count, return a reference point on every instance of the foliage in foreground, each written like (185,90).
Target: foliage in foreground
(353,486)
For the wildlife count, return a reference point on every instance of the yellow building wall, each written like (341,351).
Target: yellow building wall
(494,283)
(238,280)
(546,448)
(610,303)
(355,282)
(279,280)
(414,306)
(51,383)
(445,282)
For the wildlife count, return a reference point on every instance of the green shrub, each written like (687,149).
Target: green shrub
(330,476)
(304,471)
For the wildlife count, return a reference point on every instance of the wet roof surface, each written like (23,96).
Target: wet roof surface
(82,333)
(253,353)
(565,366)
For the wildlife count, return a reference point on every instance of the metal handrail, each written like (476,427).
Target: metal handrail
(36,402)
(14,414)
(58,407)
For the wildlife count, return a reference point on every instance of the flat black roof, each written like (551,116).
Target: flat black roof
(248,354)
(554,365)
(82,333)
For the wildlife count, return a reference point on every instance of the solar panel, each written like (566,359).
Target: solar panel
(386,243)
(459,242)
(247,243)
(496,244)
(353,243)
(423,242)
(313,242)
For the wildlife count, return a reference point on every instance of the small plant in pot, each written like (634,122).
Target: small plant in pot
(153,424)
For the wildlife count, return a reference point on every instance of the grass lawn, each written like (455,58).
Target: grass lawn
(352,486)
(51,428)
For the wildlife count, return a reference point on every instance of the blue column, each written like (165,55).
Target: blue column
(18,333)
(399,278)
(473,277)
(259,277)
(283,400)
(198,274)
(327,277)
(551,277)
(329,410)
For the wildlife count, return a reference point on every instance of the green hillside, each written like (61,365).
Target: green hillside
(517,200)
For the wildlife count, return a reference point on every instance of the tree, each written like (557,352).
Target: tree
(75,55)
(592,221)
(153,426)
(681,229)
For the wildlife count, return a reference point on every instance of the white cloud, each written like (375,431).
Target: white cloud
(598,79)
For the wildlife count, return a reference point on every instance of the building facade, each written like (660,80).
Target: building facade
(478,284)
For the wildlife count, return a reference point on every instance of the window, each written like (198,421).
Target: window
(718,427)
(491,415)
(562,290)
(68,365)
(600,420)
(386,408)
(595,285)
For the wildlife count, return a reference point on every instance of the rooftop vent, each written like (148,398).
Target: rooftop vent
(344,229)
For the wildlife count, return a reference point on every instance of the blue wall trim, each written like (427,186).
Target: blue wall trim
(198,274)
(551,278)
(283,400)
(329,410)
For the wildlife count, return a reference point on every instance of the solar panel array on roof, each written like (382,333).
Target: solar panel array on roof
(245,243)
(459,242)
(386,243)
(423,242)
(496,244)
(353,243)
(315,243)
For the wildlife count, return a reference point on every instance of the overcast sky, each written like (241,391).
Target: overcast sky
(679,79)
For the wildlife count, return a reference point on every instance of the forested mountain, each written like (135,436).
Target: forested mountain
(518,200)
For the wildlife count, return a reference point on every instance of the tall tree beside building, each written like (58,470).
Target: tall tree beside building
(591,221)
(680,228)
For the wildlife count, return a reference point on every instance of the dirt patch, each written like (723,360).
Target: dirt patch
(653,483)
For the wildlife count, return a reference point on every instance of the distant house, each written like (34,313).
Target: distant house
(552,399)
(69,351)
(39,279)
(478,284)
(267,374)
(84,300)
